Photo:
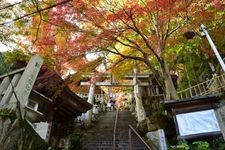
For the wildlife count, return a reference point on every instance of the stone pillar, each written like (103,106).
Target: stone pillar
(27,80)
(91,97)
(141,115)
(157,139)
(8,93)
(220,115)
(3,86)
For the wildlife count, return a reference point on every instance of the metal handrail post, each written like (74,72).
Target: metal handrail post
(146,145)
(130,144)
(114,130)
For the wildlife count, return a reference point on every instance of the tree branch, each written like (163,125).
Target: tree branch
(35,2)
(11,5)
(128,45)
(143,37)
(136,44)
(177,27)
(116,52)
(34,12)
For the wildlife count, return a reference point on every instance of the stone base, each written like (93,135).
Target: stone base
(142,126)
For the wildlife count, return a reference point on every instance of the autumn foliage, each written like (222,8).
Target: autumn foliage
(133,33)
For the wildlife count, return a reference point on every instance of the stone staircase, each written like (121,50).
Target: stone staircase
(100,137)
(124,119)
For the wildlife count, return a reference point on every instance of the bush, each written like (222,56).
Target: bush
(180,146)
(196,145)
(200,145)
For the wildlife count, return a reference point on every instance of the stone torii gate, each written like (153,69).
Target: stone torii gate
(136,84)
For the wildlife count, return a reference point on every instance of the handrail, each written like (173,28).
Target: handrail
(114,130)
(130,144)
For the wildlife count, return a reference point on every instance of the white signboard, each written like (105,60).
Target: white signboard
(27,80)
(197,122)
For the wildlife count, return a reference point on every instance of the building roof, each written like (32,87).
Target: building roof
(191,104)
(53,96)
(66,104)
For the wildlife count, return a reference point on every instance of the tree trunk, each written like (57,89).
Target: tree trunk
(170,91)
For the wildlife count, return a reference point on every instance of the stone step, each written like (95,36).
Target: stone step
(97,147)
(101,135)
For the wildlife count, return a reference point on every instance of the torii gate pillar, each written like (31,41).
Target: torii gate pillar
(91,96)
(141,115)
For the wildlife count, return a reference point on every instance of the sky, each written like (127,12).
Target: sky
(3,47)
(13,1)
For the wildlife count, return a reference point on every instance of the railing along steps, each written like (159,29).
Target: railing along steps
(212,86)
